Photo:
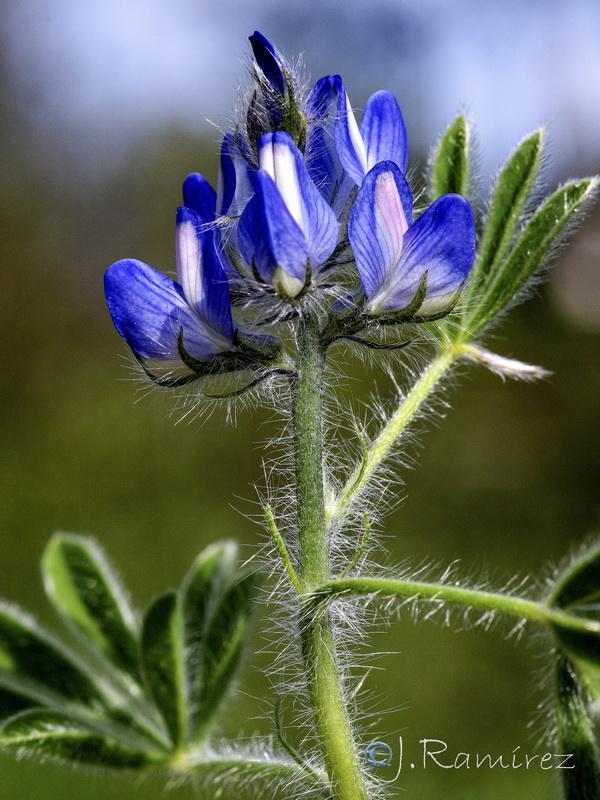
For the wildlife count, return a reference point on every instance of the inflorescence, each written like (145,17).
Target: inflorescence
(312,211)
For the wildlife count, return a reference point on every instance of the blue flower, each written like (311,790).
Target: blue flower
(270,62)
(287,230)
(173,328)
(404,265)
(381,135)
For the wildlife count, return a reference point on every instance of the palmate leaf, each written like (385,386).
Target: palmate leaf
(510,194)
(190,645)
(82,585)
(450,161)
(532,249)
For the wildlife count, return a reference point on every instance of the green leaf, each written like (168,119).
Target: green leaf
(82,585)
(203,586)
(54,734)
(583,648)
(29,654)
(163,662)
(510,194)
(533,248)
(206,581)
(450,163)
(576,736)
(578,587)
(222,649)
(12,702)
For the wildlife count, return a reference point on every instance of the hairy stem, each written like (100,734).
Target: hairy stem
(439,592)
(380,448)
(506,604)
(318,644)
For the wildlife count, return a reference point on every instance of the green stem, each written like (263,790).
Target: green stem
(381,446)
(318,644)
(308,452)
(453,595)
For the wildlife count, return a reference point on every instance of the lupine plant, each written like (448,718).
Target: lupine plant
(314,242)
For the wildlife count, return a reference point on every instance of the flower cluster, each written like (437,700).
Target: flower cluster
(310,206)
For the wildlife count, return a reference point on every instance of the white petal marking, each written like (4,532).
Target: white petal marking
(189,263)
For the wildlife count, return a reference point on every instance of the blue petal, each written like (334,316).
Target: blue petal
(320,154)
(285,164)
(149,310)
(348,141)
(201,271)
(270,62)
(227,178)
(383,131)
(270,238)
(378,222)
(236,175)
(199,195)
(442,243)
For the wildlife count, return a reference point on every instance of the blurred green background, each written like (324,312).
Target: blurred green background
(507,483)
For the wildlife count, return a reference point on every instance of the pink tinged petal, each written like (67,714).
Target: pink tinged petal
(442,243)
(378,223)
(389,216)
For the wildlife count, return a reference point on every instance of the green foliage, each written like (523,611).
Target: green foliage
(450,162)
(577,592)
(578,587)
(134,699)
(215,620)
(576,736)
(516,239)
(54,734)
(512,190)
(90,597)
(162,662)
(531,249)
(35,664)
